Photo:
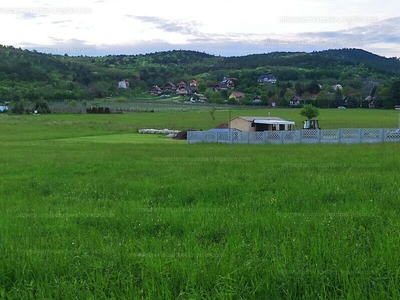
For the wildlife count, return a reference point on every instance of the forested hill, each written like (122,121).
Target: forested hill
(358,56)
(322,59)
(31,75)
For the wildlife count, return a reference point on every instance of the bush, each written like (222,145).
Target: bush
(309,111)
(17,107)
(42,107)
(122,99)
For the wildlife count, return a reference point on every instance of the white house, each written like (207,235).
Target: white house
(123,84)
(337,86)
(266,78)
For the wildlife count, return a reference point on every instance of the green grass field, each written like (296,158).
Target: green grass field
(89,209)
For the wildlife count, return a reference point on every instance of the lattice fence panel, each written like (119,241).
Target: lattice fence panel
(329,134)
(309,134)
(349,133)
(223,136)
(237,135)
(290,136)
(392,135)
(210,136)
(370,133)
(273,135)
(195,135)
(256,137)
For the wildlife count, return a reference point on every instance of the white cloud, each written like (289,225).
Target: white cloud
(251,26)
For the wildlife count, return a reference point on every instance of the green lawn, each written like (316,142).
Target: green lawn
(89,209)
(132,138)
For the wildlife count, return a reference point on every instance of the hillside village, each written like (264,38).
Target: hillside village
(228,84)
(326,79)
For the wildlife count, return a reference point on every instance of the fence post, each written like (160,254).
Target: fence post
(360,135)
(301,136)
(191,138)
(382,135)
(339,133)
(319,136)
(281,136)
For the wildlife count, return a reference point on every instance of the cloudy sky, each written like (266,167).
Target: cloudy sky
(219,27)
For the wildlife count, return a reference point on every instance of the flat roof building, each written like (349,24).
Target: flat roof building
(243,123)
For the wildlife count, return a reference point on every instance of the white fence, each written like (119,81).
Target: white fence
(339,136)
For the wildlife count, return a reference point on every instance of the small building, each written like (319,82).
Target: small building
(193,84)
(184,91)
(220,87)
(198,98)
(237,95)
(169,86)
(180,85)
(155,90)
(337,86)
(123,84)
(260,124)
(4,106)
(266,79)
(257,100)
(226,83)
(295,102)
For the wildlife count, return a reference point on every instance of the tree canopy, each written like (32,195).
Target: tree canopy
(309,111)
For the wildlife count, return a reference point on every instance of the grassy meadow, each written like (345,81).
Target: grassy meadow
(89,209)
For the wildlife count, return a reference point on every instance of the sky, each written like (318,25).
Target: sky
(218,27)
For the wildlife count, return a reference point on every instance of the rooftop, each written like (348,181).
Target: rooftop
(265,120)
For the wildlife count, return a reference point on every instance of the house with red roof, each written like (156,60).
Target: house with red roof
(180,85)
(193,84)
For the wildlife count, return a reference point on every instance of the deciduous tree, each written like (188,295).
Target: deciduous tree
(309,111)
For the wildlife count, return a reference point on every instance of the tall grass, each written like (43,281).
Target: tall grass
(94,220)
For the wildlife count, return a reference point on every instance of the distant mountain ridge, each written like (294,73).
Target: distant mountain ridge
(184,57)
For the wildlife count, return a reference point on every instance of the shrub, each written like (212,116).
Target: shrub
(42,107)
(309,111)
(122,99)
(17,107)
